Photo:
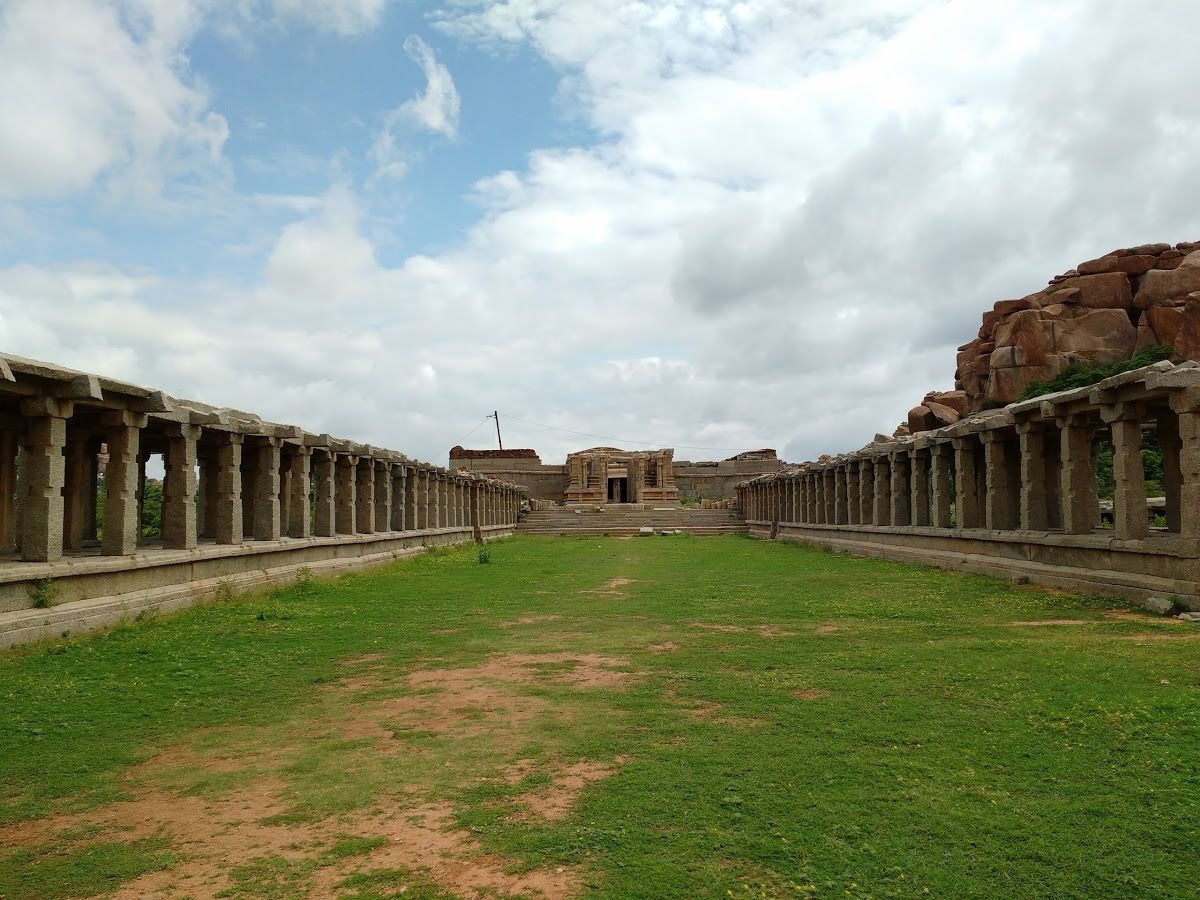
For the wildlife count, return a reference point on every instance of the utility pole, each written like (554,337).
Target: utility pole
(496,415)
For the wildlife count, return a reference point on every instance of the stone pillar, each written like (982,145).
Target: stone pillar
(206,514)
(841,514)
(42,478)
(75,489)
(828,499)
(882,512)
(866,491)
(1129,476)
(918,465)
(228,524)
(1033,477)
(122,525)
(437,516)
(901,498)
(997,515)
(179,530)
(940,491)
(1168,442)
(267,525)
(364,501)
(299,522)
(1078,492)
(324,494)
(9,442)
(1189,473)
(802,499)
(966,500)
(383,496)
(346,494)
(399,497)
(853,505)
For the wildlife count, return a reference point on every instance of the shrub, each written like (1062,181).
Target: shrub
(485,554)
(1079,375)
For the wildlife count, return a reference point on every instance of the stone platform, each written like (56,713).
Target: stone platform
(630,519)
(91,591)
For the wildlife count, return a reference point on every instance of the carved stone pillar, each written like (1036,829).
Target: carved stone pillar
(1189,469)
(122,523)
(179,530)
(228,524)
(866,491)
(853,505)
(841,511)
(918,465)
(901,499)
(966,500)
(1034,515)
(399,497)
(9,443)
(364,501)
(998,514)
(324,493)
(346,495)
(42,478)
(1169,443)
(882,512)
(1129,476)
(1078,492)
(383,495)
(941,490)
(299,522)
(267,526)
(76,493)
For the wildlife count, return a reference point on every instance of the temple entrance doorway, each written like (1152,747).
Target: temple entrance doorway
(618,490)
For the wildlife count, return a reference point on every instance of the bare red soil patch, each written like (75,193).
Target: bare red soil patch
(810,694)
(771,631)
(555,800)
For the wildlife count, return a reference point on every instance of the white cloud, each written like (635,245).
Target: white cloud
(796,213)
(93,89)
(436,110)
(345,17)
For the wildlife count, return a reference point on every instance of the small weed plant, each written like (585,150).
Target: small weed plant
(485,554)
(42,593)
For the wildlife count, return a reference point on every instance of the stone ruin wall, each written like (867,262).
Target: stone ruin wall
(522,467)
(246,502)
(980,481)
(1102,311)
(717,480)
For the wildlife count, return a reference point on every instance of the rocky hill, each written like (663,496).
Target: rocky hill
(1103,311)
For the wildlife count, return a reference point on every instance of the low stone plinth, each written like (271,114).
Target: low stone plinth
(98,591)
(1159,565)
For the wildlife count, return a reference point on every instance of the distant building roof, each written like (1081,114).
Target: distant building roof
(765,453)
(457,452)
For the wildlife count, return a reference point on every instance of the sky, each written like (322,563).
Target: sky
(716,225)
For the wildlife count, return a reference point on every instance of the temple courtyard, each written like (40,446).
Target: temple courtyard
(668,716)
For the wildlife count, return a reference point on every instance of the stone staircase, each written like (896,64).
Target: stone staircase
(630,519)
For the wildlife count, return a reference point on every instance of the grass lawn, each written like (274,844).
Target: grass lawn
(658,717)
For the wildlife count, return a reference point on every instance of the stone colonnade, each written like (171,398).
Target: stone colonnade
(1028,467)
(230,477)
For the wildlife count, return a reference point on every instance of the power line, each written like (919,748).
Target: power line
(463,441)
(602,437)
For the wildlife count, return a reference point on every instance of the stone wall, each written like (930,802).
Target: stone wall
(1013,491)
(700,480)
(531,475)
(244,500)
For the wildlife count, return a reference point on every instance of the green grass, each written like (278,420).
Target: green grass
(855,727)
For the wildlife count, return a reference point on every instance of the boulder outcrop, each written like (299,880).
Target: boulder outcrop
(1102,311)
